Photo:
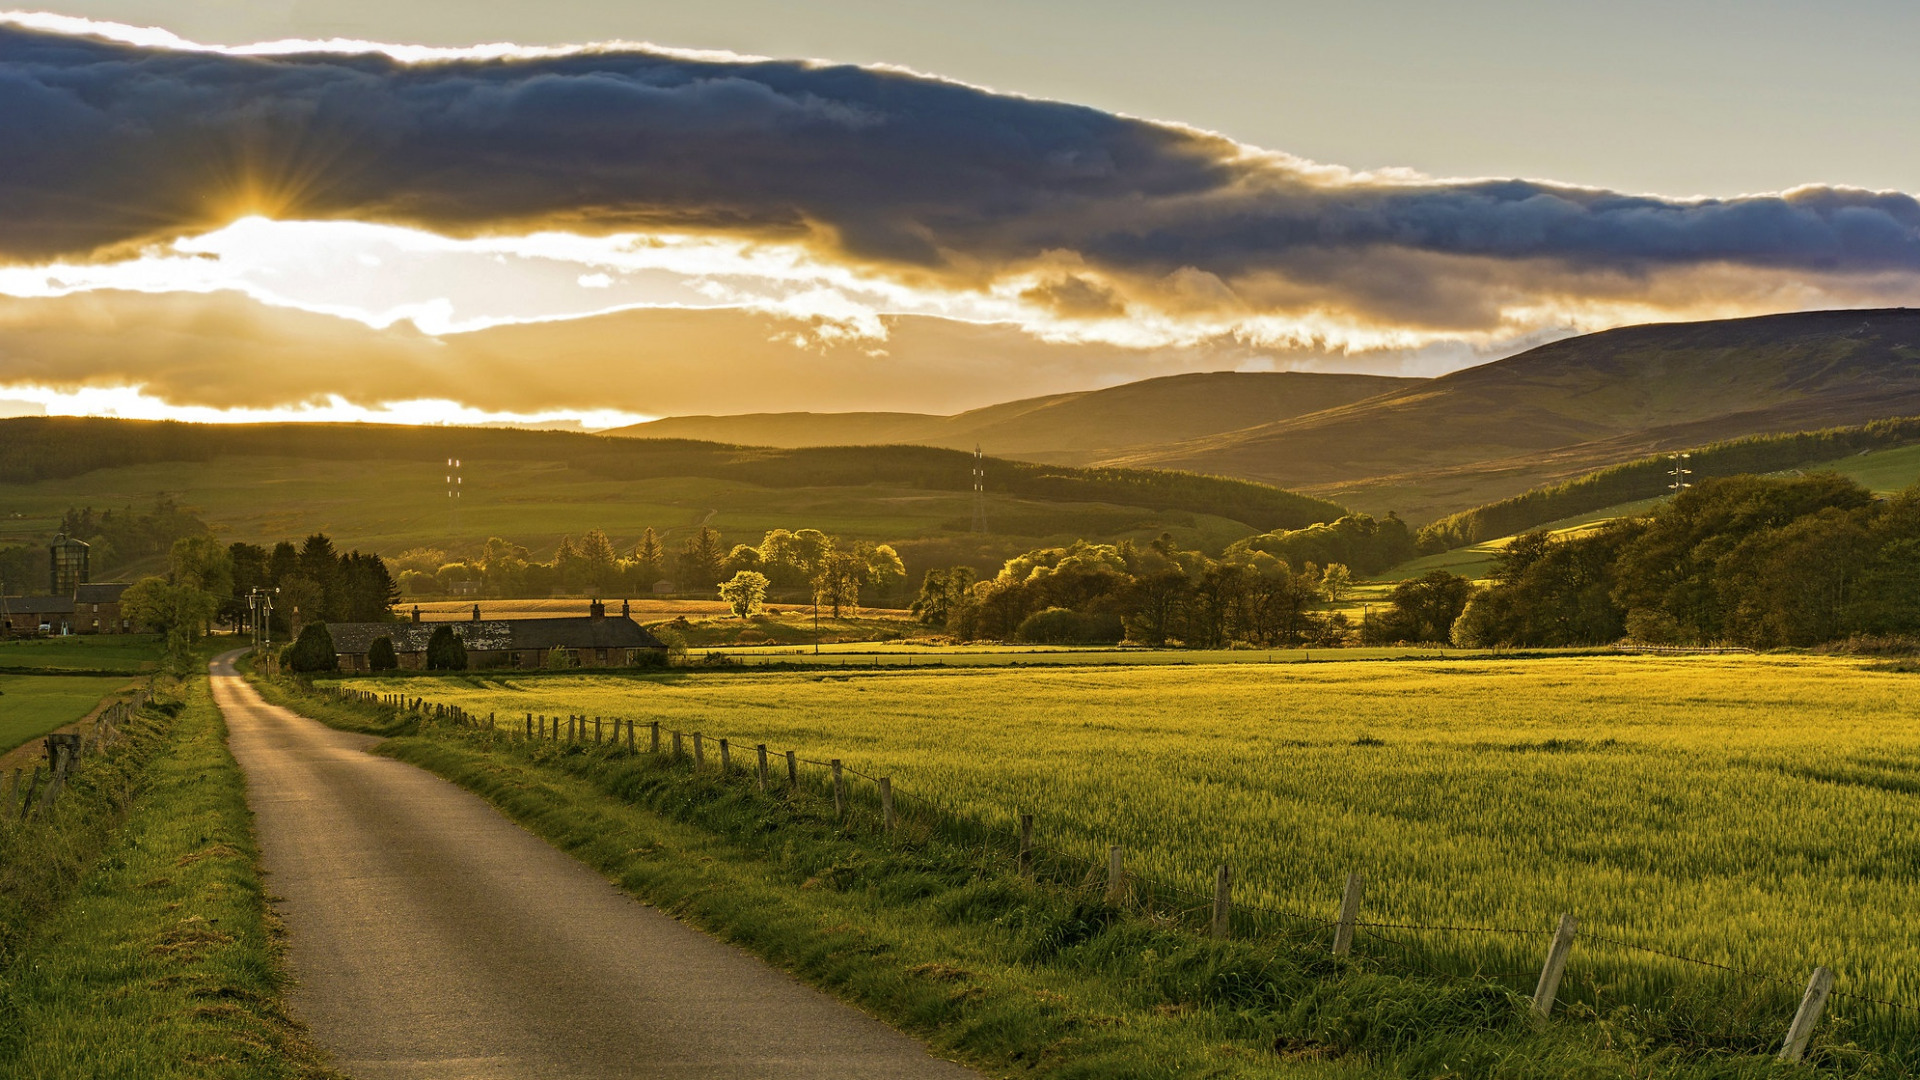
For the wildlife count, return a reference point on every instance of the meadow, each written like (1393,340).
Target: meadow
(390,507)
(32,705)
(1752,811)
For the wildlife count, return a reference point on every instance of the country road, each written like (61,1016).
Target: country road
(433,938)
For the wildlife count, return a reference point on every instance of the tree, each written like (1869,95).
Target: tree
(745,592)
(649,558)
(700,560)
(313,651)
(380,654)
(1424,609)
(445,650)
(600,564)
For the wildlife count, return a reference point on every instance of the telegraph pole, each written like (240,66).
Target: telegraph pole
(453,497)
(1679,473)
(979,490)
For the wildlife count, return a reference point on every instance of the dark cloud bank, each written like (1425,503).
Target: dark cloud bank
(108,144)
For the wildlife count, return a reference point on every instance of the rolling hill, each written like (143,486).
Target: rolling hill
(1075,428)
(1576,405)
(384,488)
(1431,447)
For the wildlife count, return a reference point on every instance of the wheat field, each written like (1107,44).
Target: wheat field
(1756,811)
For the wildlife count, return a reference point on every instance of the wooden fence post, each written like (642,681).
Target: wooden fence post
(656,736)
(726,758)
(1223,902)
(1026,844)
(699,751)
(761,749)
(676,746)
(630,748)
(1116,875)
(26,804)
(1549,988)
(529,727)
(793,772)
(1349,914)
(597,737)
(839,790)
(1812,1004)
(886,802)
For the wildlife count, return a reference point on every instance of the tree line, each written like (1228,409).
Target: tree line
(1746,560)
(802,564)
(1154,594)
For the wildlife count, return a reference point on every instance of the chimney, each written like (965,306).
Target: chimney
(476,613)
(626,610)
(598,610)
(416,613)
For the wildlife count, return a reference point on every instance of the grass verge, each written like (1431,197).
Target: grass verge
(943,940)
(160,960)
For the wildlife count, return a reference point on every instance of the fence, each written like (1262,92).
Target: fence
(25,798)
(1213,911)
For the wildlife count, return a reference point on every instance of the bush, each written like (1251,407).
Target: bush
(1064,626)
(445,650)
(380,654)
(559,659)
(313,651)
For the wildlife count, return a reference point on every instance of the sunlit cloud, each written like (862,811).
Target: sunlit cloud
(133,403)
(446,193)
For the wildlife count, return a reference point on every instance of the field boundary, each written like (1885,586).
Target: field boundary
(877,804)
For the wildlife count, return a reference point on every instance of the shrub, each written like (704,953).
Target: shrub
(445,650)
(380,654)
(313,651)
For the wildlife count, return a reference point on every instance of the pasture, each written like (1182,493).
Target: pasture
(1753,811)
(32,705)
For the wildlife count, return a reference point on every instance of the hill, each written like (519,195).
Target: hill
(1073,428)
(1576,405)
(384,488)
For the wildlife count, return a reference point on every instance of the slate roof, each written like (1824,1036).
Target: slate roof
(39,605)
(500,635)
(105,592)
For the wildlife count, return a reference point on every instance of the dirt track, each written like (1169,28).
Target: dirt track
(432,937)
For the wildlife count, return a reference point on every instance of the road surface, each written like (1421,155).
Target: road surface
(433,938)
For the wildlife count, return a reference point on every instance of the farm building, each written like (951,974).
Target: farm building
(594,640)
(73,604)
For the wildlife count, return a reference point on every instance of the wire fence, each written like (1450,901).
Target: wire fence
(1426,949)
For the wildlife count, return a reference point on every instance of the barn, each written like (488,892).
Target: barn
(593,640)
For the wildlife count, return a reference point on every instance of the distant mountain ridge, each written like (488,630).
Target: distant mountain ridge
(1071,428)
(1579,404)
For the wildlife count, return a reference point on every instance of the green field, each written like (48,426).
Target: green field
(117,653)
(391,507)
(1745,810)
(32,705)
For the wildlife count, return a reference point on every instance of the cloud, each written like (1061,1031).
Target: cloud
(936,184)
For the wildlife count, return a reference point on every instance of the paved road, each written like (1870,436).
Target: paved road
(433,938)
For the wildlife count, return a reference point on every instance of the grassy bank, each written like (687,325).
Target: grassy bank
(151,953)
(938,933)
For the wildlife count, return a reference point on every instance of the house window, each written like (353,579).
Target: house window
(601,655)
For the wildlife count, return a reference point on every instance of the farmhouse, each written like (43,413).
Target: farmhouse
(594,640)
(73,604)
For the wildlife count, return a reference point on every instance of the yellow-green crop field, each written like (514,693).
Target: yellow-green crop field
(1761,811)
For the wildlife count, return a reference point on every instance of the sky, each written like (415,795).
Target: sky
(1131,188)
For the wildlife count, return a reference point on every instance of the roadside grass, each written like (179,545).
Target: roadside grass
(142,947)
(32,705)
(945,941)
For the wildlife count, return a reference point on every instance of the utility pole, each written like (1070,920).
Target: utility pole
(260,605)
(1680,472)
(454,480)
(979,490)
